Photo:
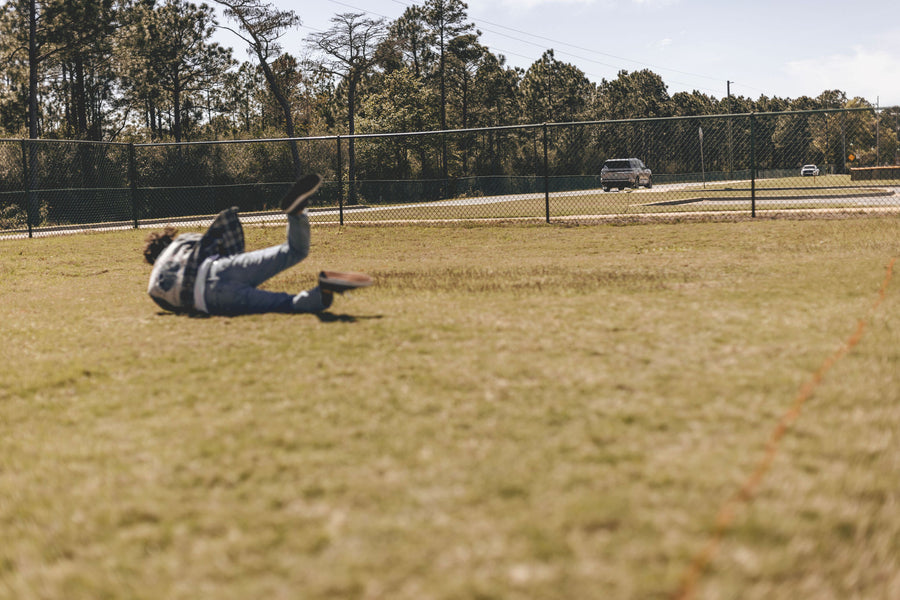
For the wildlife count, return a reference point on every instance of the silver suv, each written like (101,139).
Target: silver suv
(620,173)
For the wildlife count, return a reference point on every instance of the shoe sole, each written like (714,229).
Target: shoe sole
(341,282)
(296,198)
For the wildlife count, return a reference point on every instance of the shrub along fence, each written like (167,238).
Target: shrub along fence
(712,164)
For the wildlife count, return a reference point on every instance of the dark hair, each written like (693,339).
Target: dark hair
(157,241)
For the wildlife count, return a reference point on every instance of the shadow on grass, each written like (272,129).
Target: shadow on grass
(324,317)
(327,317)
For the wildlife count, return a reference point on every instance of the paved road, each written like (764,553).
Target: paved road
(865,200)
(874,200)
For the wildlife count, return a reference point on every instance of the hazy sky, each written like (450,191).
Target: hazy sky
(787,49)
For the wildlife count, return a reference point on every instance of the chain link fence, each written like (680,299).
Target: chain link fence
(811,162)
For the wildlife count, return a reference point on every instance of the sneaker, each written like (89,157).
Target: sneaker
(297,198)
(335,282)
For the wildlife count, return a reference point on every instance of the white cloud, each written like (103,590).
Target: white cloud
(864,72)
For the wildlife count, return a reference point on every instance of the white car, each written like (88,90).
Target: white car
(809,171)
(620,173)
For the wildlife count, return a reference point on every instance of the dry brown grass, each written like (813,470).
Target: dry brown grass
(522,411)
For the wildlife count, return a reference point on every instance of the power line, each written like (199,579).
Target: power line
(638,62)
(585,59)
(365,10)
(478,21)
(556,42)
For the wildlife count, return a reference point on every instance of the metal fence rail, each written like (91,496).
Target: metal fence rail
(707,165)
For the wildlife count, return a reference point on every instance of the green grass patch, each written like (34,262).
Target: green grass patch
(521,411)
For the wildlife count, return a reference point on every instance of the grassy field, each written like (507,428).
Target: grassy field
(512,412)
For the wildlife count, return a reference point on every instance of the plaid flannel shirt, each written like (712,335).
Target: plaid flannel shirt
(224,237)
(174,273)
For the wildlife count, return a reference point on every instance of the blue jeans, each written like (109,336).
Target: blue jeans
(232,280)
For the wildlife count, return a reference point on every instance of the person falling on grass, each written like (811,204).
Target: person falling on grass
(211,273)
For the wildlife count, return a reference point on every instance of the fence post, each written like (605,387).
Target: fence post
(340,178)
(26,183)
(546,177)
(753,165)
(843,143)
(132,179)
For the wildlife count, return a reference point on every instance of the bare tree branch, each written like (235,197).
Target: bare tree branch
(264,26)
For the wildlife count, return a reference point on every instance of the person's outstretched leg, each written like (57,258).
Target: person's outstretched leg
(227,299)
(232,282)
(253,268)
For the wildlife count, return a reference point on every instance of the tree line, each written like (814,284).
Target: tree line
(150,70)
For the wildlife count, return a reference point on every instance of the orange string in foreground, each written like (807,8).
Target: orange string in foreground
(726,514)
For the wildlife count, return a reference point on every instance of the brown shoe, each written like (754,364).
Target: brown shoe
(336,282)
(297,198)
